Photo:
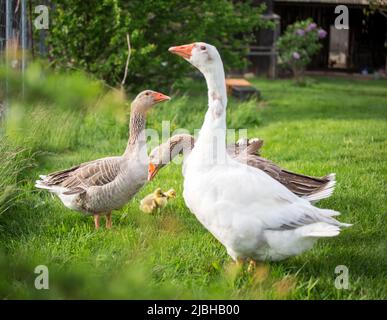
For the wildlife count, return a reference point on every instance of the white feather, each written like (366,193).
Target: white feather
(250,213)
(325,192)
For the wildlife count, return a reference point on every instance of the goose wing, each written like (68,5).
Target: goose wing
(247,146)
(78,178)
(299,184)
(277,208)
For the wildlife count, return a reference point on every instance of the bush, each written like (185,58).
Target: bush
(91,36)
(244,115)
(48,113)
(12,162)
(67,91)
(298,45)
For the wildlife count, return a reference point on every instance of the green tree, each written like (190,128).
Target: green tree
(91,35)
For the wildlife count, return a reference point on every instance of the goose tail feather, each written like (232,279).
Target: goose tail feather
(319,230)
(324,192)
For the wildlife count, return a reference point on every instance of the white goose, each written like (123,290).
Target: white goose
(222,193)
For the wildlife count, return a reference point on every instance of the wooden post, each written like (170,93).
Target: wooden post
(8,37)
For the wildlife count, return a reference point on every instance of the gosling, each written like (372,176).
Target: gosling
(156,200)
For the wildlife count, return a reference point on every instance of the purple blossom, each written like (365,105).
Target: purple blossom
(311,27)
(296,55)
(322,33)
(300,32)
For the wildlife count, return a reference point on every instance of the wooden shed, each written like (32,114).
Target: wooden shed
(361,48)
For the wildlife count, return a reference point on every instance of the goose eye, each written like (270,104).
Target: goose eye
(202,47)
(147,93)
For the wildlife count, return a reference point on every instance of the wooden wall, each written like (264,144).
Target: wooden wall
(367,34)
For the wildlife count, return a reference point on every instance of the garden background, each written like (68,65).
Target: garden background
(69,107)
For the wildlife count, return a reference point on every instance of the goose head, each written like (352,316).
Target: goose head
(146,99)
(202,55)
(158,193)
(158,158)
(171,193)
(165,152)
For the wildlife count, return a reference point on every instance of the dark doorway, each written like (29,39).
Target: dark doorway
(338,48)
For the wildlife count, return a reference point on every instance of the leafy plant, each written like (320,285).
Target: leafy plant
(91,35)
(48,113)
(244,115)
(298,44)
(376,6)
(13,160)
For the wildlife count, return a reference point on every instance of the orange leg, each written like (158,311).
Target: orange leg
(109,220)
(96,221)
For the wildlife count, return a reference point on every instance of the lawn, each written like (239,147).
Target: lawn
(329,125)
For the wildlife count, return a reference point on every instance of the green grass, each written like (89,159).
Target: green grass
(327,126)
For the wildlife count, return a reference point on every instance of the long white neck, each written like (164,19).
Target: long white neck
(216,83)
(212,137)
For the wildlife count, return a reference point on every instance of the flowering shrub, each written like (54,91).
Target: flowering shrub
(298,44)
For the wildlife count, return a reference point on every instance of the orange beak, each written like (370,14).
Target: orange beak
(158,97)
(152,171)
(184,51)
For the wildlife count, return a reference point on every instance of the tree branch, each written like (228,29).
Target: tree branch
(17,6)
(383,12)
(127,61)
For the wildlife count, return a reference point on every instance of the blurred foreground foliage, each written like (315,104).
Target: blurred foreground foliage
(54,111)
(13,160)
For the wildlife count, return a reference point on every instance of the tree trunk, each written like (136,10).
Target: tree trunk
(298,73)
